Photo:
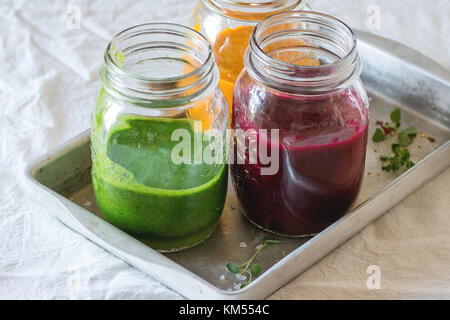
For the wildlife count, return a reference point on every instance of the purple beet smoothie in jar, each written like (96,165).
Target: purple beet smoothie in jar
(321,114)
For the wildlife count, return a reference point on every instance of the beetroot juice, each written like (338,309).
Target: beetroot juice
(320,167)
(305,87)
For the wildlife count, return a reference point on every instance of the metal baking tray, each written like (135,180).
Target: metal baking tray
(394,75)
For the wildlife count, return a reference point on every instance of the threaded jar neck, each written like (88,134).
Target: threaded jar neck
(253,10)
(159,65)
(303,52)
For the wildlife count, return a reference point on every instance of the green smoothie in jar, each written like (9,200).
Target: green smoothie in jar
(138,186)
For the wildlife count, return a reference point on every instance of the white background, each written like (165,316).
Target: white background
(48,84)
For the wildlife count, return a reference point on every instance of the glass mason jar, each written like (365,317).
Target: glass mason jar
(301,99)
(150,131)
(228,24)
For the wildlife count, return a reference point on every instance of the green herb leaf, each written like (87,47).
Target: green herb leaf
(378,136)
(404,139)
(233,268)
(391,126)
(404,154)
(396,116)
(411,131)
(396,148)
(256,270)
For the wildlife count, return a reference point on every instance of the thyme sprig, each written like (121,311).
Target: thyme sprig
(256,269)
(399,156)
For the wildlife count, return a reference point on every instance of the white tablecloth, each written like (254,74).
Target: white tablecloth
(48,84)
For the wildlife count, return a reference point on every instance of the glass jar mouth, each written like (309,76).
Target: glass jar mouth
(326,51)
(253,10)
(155,62)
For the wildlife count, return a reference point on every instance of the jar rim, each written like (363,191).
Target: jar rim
(124,33)
(124,83)
(254,11)
(312,13)
(350,61)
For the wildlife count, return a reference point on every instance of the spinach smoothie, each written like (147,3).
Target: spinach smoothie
(140,189)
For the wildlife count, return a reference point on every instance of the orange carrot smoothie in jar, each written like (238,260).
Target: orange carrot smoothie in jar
(228,25)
